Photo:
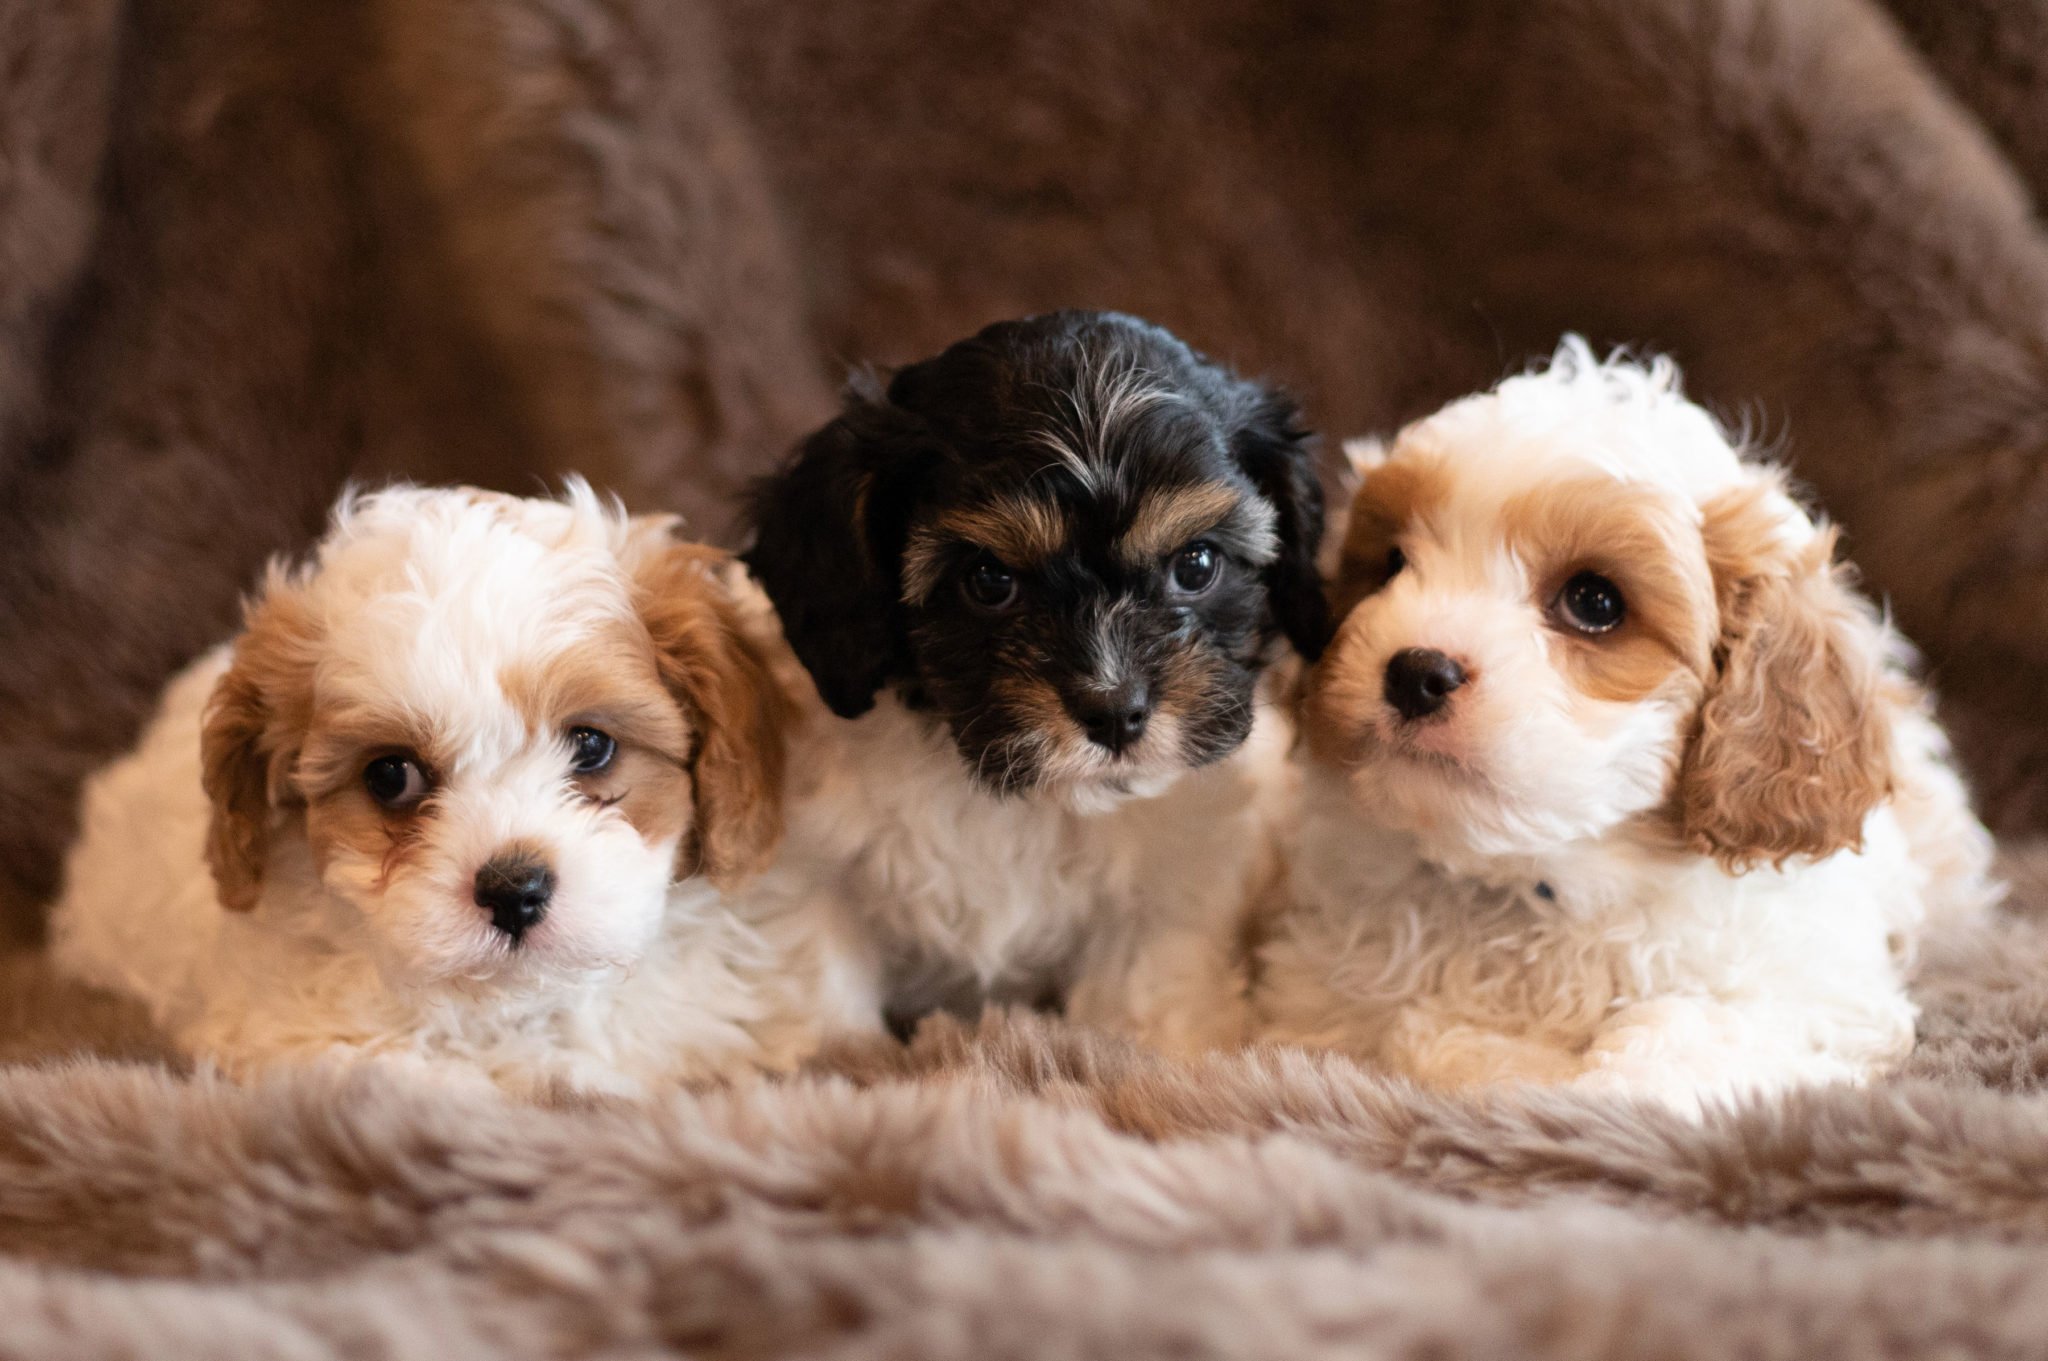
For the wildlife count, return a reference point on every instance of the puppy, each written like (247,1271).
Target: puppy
(1035,583)
(1610,778)
(466,790)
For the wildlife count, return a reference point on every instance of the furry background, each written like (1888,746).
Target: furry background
(249,249)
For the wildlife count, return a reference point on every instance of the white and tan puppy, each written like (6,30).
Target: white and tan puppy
(465,791)
(1610,777)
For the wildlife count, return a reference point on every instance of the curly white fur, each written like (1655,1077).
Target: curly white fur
(904,884)
(1510,891)
(424,603)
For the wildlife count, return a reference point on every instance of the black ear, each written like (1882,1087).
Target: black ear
(828,547)
(1275,451)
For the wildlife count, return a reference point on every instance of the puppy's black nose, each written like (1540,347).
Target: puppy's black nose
(1419,681)
(515,893)
(1113,721)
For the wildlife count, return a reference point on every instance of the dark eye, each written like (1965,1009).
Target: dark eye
(592,750)
(1591,603)
(989,585)
(1396,560)
(1195,568)
(396,782)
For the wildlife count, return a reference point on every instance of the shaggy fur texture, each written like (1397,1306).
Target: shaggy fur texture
(488,240)
(1610,777)
(251,248)
(467,792)
(1027,1190)
(1037,760)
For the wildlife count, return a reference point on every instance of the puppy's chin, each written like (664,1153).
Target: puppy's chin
(1105,793)
(1429,784)
(1069,771)
(1529,792)
(1060,765)
(1450,805)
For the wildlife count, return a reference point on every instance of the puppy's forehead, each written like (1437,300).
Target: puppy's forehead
(1630,421)
(426,615)
(1115,447)
(1535,506)
(1094,439)
(1099,395)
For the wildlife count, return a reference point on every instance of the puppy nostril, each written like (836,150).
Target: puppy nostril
(1114,721)
(1420,680)
(515,893)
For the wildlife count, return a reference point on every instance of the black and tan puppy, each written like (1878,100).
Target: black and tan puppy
(1035,581)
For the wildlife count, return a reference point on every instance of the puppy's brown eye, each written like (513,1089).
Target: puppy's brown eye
(1591,603)
(1195,568)
(396,782)
(1396,560)
(592,750)
(989,585)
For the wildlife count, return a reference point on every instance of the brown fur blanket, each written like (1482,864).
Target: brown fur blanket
(251,249)
(1027,1189)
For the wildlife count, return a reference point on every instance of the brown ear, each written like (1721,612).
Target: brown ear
(236,777)
(717,675)
(249,740)
(1792,750)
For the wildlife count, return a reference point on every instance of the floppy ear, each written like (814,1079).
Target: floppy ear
(828,547)
(246,743)
(1792,749)
(1276,453)
(715,673)
(236,777)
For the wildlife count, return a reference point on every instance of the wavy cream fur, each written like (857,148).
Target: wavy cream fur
(425,601)
(901,877)
(1511,893)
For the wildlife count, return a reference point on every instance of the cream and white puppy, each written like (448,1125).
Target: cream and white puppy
(1610,778)
(465,791)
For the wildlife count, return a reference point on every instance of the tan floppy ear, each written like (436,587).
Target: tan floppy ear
(249,740)
(716,674)
(1792,749)
(236,777)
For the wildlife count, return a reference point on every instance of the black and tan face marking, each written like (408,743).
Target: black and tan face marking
(1070,537)
(1135,610)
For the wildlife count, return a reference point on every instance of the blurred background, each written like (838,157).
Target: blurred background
(250,250)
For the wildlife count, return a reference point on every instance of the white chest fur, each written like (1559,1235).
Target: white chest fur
(919,887)
(1615,960)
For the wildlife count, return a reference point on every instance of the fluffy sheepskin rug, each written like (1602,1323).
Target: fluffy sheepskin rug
(1022,1188)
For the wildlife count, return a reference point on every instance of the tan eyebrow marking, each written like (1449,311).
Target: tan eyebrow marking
(1169,517)
(612,678)
(1388,502)
(337,740)
(1020,531)
(1632,535)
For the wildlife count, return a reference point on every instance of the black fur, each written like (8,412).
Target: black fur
(967,430)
